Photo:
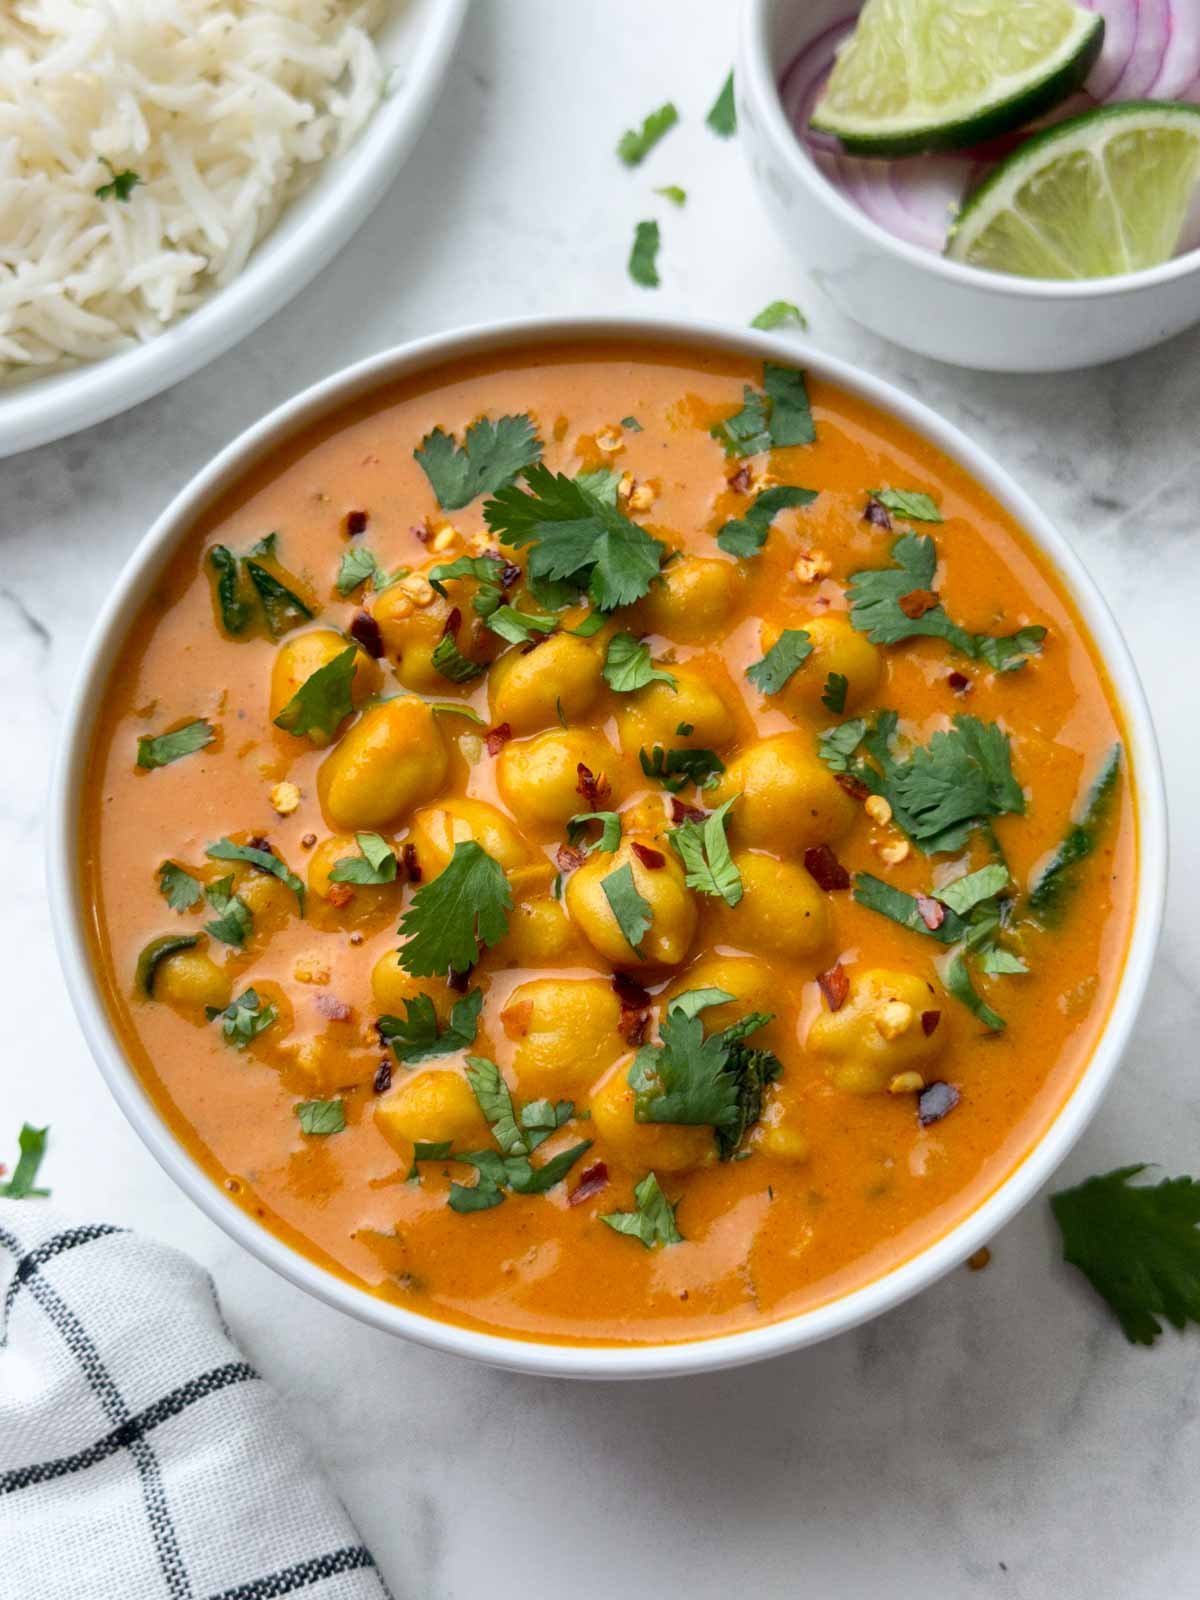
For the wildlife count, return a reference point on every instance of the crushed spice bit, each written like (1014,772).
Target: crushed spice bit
(823,866)
(651,859)
(331,1007)
(813,566)
(412,864)
(568,858)
(633,1027)
(354,522)
(642,498)
(893,1018)
(339,895)
(418,589)
(356,938)
(285,798)
(382,1081)
(307,840)
(877,514)
(421,531)
(894,853)
(444,538)
(740,481)
(609,440)
(932,912)
(917,602)
(929,1021)
(452,623)
(682,812)
(834,985)
(364,630)
(625,487)
(496,738)
(878,809)
(510,573)
(854,787)
(630,992)
(592,1180)
(959,682)
(906,1083)
(460,982)
(592,786)
(936,1102)
(981,1258)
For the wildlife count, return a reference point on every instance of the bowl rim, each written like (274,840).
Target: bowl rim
(70,912)
(756,80)
(306,236)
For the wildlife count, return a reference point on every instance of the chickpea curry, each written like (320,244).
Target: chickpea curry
(607,843)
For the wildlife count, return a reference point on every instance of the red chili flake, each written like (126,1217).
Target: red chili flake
(932,912)
(261,842)
(629,992)
(307,841)
(333,1008)
(412,864)
(594,788)
(929,1021)
(452,623)
(355,522)
(383,1077)
(510,572)
(822,865)
(421,531)
(568,858)
(682,812)
(835,986)
(364,630)
(339,895)
(740,482)
(935,1102)
(959,682)
(652,860)
(917,602)
(854,787)
(460,982)
(633,1027)
(356,938)
(496,738)
(876,512)
(591,1181)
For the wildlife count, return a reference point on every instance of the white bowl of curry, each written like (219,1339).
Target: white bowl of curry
(614,848)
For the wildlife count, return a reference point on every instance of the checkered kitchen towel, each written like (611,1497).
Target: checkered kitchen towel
(141,1458)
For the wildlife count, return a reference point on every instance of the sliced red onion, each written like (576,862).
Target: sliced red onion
(1120,31)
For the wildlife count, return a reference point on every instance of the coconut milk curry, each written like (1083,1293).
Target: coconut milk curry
(609,844)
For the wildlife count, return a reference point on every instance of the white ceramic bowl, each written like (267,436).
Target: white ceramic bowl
(910,295)
(416,44)
(71,912)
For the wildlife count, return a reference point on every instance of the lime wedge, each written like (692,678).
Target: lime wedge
(921,75)
(1104,193)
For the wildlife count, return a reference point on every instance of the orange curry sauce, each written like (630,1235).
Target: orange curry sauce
(837,1186)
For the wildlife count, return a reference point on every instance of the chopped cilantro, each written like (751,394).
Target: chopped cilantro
(643,257)
(167,944)
(243,1019)
(779,417)
(181,890)
(912,503)
(777,314)
(159,750)
(745,536)
(489,458)
(416,1036)
(321,1116)
(359,566)
(610,830)
(465,907)
(603,482)
(375,865)
(322,702)
(876,609)
(428,1150)
(264,860)
(231,601)
(122,184)
(673,193)
(576,536)
(833,695)
(590,625)
(456,708)
(518,627)
(789,652)
(1138,1246)
(704,851)
(675,769)
(722,115)
(653,1222)
(518,1138)
(234,921)
(627,665)
(631,425)
(636,144)
(487,571)
(449,660)
(1058,877)
(31,1143)
(282,607)
(633,914)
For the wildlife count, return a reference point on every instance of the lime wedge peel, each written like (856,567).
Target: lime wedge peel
(918,76)
(1104,194)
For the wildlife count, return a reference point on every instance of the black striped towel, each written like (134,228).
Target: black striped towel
(141,1458)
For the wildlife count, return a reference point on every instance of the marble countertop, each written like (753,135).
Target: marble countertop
(994,1437)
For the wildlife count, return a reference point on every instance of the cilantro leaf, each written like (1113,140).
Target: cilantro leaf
(428,1150)
(636,144)
(264,860)
(1058,878)
(643,257)
(627,665)
(243,1019)
(167,944)
(876,609)
(577,537)
(234,921)
(956,978)
(376,864)
(451,917)
(969,891)
(912,503)
(488,573)
(181,890)
(904,908)
(746,432)
(490,457)
(518,1138)
(677,197)
(610,830)
(31,1143)
(789,652)
(231,600)
(833,695)
(631,424)
(159,750)
(416,1036)
(322,702)
(697,1080)
(633,914)
(518,627)
(603,482)
(449,660)
(704,851)
(835,746)
(722,114)
(780,417)
(121,185)
(693,1001)
(653,1222)
(675,769)
(321,1116)
(1137,1246)
(777,314)
(282,607)
(358,566)
(745,536)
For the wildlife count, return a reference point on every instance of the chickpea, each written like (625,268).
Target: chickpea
(391,759)
(430,1107)
(539,935)
(189,980)
(326,1062)
(526,691)
(653,715)
(437,829)
(781,912)
(837,646)
(539,777)
(643,1147)
(878,1032)
(392,987)
(411,633)
(672,907)
(271,903)
(752,984)
(691,600)
(299,658)
(347,902)
(565,1031)
(779,1132)
(788,797)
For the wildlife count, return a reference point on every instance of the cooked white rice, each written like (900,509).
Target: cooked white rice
(223,108)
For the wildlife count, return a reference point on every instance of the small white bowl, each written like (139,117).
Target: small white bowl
(72,914)
(416,44)
(910,295)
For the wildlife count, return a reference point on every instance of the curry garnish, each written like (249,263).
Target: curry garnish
(461,911)
(746,535)
(609,837)
(1058,878)
(633,914)
(778,314)
(233,922)
(244,1018)
(322,702)
(787,655)
(321,1116)
(155,952)
(628,666)
(180,890)
(653,1219)
(675,769)
(260,855)
(489,458)
(375,864)
(914,504)
(635,144)
(161,749)
(417,1035)
(704,851)
(518,1137)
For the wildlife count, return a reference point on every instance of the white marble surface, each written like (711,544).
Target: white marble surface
(995,1437)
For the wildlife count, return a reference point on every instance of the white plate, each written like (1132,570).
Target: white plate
(417,44)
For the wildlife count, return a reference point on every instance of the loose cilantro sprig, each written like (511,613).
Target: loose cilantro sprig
(745,536)
(264,860)
(677,197)
(321,1117)
(912,503)
(833,695)
(322,702)
(244,1018)
(376,864)
(636,144)
(704,851)
(643,256)
(1058,878)
(675,769)
(787,655)
(778,417)
(653,1220)
(359,566)
(234,921)
(417,1037)
(282,607)
(464,908)
(159,750)
(634,914)
(517,1137)
(489,458)
(449,660)
(610,831)
(178,887)
(628,665)
(156,952)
